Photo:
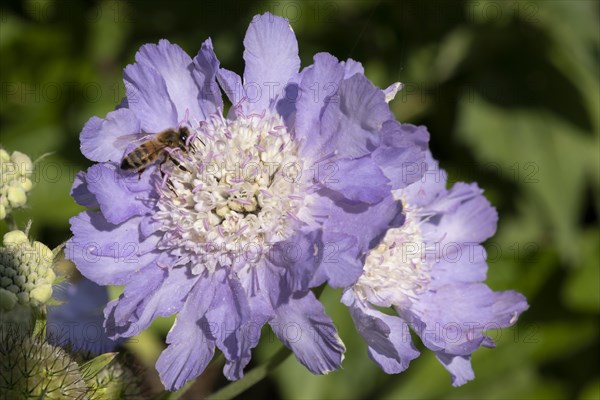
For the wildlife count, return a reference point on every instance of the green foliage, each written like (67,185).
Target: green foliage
(509,91)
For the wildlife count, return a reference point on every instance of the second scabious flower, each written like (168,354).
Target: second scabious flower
(431,272)
(234,228)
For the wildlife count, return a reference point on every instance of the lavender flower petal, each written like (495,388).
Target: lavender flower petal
(271,56)
(80,192)
(105,182)
(177,363)
(101,139)
(388,337)
(148,98)
(206,67)
(458,366)
(78,322)
(174,66)
(302,325)
(107,253)
(153,292)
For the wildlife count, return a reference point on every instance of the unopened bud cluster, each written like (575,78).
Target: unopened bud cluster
(15,182)
(26,274)
(115,381)
(33,369)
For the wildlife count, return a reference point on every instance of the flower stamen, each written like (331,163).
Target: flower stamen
(241,186)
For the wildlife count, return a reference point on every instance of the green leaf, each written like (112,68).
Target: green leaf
(572,42)
(452,51)
(592,391)
(58,249)
(582,289)
(546,156)
(91,368)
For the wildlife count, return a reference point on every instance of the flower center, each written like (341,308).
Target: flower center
(396,271)
(234,192)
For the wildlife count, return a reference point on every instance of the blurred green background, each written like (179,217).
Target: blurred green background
(508,89)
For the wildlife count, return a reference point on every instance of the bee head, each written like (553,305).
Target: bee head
(184,133)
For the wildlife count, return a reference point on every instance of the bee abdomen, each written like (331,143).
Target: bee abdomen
(126,164)
(138,158)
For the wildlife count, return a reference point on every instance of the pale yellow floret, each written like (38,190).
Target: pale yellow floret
(14,238)
(16,196)
(41,293)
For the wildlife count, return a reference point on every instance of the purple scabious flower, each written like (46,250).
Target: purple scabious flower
(286,192)
(78,322)
(431,272)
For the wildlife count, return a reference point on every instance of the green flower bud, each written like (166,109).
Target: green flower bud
(7,300)
(115,381)
(41,293)
(31,368)
(5,281)
(14,238)
(26,272)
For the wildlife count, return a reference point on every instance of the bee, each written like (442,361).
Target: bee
(154,149)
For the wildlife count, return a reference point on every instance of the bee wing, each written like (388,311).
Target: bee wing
(129,142)
(134,138)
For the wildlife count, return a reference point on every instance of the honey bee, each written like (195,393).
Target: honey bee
(153,149)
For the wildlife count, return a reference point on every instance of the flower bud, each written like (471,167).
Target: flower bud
(26,274)
(115,381)
(15,182)
(7,300)
(4,156)
(23,162)
(34,369)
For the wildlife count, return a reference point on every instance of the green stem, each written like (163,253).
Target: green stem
(11,222)
(251,378)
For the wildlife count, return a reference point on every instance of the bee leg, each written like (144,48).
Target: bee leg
(166,181)
(178,164)
(161,164)
(140,172)
(200,140)
(171,187)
